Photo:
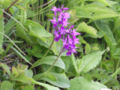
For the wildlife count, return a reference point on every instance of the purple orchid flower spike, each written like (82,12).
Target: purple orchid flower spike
(63,31)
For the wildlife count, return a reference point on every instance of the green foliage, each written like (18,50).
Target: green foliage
(1,30)
(6,85)
(31,60)
(56,79)
(83,27)
(94,11)
(49,60)
(24,77)
(89,61)
(80,83)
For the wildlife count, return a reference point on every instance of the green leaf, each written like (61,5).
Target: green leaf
(28,80)
(49,61)
(20,32)
(106,31)
(115,53)
(83,27)
(44,38)
(29,87)
(80,83)
(57,79)
(104,2)
(29,73)
(90,61)
(47,86)
(1,30)
(37,30)
(74,63)
(56,48)
(69,66)
(94,11)
(20,75)
(36,51)
(107,2)
(116,30)
(5,67)
(6,85)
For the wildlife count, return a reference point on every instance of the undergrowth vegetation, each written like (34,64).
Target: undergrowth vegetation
(30,59)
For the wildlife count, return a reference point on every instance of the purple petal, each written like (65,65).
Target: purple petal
(54,9)
(68,53)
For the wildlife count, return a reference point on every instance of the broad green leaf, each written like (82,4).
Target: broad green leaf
(105,2)
(5,68)
(45,38)
(74,63)
(56,48)
(49,60)
(83,27)
(96,46)
(69,66)
(37,30)
(94,12)
(47,86)
(90,61)
(106,31)
(20,32)
(115,53)
(28,80)
(116,30)
(80,83)
(29,73)
(6,85)
(45,41)
(1,30)
(57,79)
(28,87)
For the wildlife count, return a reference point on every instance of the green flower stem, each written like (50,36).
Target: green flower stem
(54,61)
(52,64)
(49,48)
